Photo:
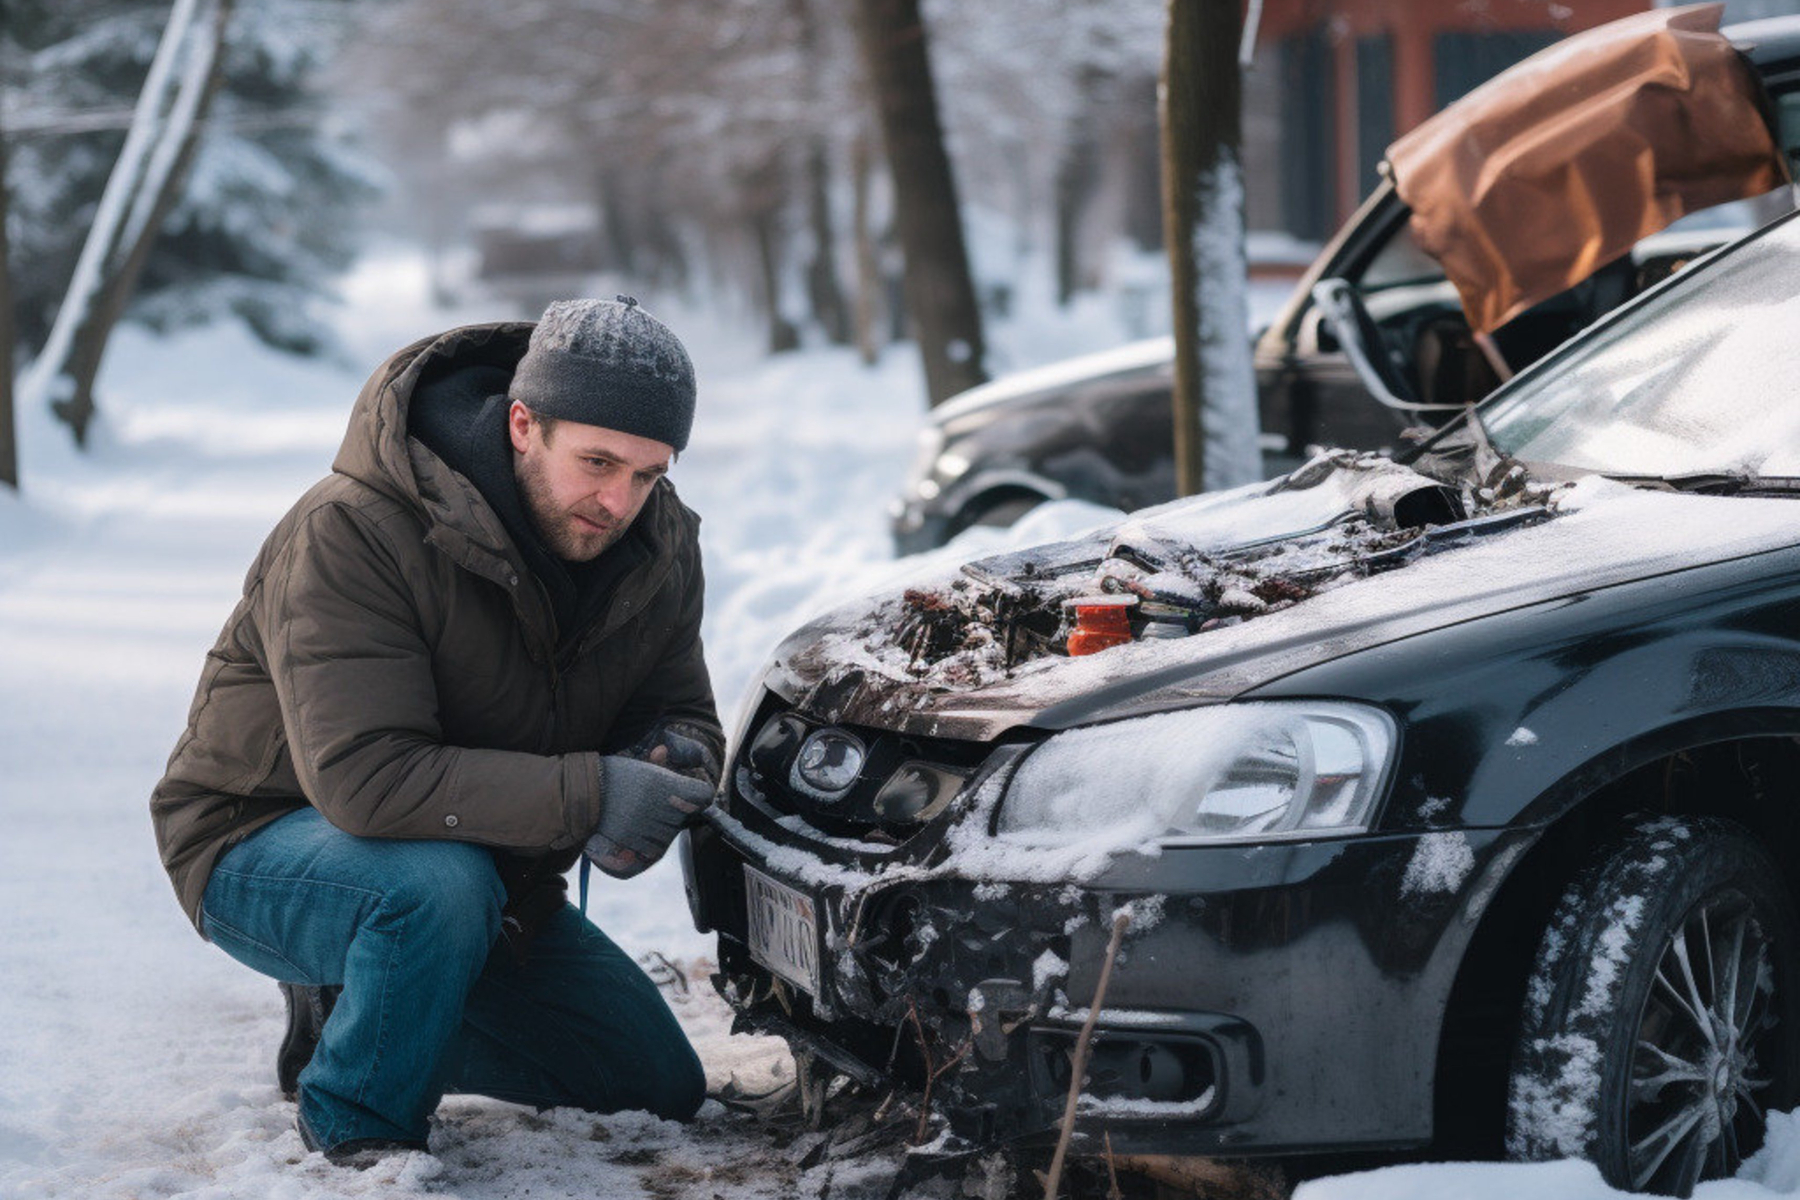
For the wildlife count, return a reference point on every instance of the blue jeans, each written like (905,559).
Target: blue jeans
(431,1003)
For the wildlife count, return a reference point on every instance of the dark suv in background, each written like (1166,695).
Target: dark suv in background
(1099,429)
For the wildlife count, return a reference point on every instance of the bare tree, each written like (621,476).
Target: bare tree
(868,262)
(940,293)
(9,438)
(145,184)
(1203,219)
(1075,177)
(765,197)
(824,289)
(729,137)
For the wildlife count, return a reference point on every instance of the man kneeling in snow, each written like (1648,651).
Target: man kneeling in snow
(468,654)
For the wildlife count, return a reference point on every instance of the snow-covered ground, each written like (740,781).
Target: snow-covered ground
(136,1061)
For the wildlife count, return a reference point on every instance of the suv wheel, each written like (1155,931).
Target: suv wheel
(1659,1019)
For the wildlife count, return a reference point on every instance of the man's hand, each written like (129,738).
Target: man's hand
(681,748)
(643,805)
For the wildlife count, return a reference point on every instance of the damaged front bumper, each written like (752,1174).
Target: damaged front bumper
(1269,999)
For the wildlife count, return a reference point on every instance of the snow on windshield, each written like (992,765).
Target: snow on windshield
(1699,378)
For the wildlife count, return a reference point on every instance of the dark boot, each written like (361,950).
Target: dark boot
(307,1008)
(358,1153)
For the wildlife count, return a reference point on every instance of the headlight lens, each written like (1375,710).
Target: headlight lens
(951,465)
(1235,772)
(829,762)
(775,745)
(926,448)
(918,791)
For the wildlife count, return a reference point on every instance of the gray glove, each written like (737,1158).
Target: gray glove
(642,807)
(681,747)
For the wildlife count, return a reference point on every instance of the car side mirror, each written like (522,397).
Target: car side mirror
(1361,343)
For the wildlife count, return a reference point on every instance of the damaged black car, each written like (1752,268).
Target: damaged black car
(1446,802)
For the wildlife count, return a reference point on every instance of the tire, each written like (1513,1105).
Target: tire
(1659,1021)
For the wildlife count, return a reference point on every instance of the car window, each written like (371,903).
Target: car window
(1401,261)
(1703,376)
(1787,119)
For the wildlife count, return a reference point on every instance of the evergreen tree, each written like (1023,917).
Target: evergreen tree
(266,216)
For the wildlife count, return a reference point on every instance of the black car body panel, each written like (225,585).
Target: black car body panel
(1643,669)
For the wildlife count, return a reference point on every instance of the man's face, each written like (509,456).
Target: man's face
(583,485)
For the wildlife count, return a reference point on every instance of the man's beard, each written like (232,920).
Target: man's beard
(561,531)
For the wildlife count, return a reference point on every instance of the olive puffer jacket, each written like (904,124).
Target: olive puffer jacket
(394,663)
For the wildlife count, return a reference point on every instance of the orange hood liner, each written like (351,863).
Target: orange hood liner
(1538,178)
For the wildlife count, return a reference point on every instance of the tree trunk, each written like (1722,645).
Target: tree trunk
(1076,173)
(824,290)
(436,170)
(940,294)
(764,227)
(822,287)
(1203,219)
(173,159)
(621,246)
(667,256)
(9,437)
(143,187)
(868,262)
(765,194)
(49,381)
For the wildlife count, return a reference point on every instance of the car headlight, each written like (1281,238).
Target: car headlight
(1232,772)
(926,448)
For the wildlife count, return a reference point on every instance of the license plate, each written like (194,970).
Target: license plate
(784,930)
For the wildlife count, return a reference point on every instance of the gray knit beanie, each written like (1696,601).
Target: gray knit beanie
(608,363)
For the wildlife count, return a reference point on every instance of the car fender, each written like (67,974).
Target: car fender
(1511,718)
(957,498)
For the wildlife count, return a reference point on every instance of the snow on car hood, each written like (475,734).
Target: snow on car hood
(1235,589)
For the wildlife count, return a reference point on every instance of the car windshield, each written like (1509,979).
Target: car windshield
(1703,376)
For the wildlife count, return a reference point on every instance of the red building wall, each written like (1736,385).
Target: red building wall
(1412,29)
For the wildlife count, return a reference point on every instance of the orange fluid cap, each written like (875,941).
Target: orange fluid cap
(1100,624)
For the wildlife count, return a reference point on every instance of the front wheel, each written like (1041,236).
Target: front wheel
(1659,1024)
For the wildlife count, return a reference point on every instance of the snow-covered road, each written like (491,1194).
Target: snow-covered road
(136,1061)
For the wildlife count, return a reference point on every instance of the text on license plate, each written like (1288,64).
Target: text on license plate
(784,929)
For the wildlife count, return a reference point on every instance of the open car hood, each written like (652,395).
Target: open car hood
(1350,552)
(1557,166)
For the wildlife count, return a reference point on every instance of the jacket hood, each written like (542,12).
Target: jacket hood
(377,450)
(1243,587)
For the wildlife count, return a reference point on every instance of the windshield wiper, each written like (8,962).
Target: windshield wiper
(1718,483)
